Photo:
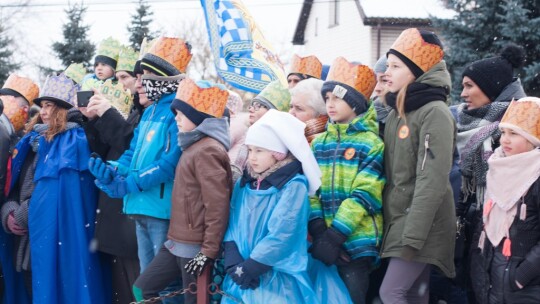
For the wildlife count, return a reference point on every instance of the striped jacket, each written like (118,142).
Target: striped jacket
(350,198)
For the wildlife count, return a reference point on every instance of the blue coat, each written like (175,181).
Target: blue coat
(152,158)
(61,220)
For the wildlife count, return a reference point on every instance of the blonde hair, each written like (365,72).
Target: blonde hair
(400,101)
(57,122)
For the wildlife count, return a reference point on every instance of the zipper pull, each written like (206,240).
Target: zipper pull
(428,150)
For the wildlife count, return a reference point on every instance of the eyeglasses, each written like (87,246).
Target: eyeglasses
(257,105)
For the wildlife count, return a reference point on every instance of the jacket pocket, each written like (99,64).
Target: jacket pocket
(189,215)
(427,151)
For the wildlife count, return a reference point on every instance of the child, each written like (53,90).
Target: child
(104,63)
(419,215)
(201,192)
(265,246)
(511,209)
(346,222)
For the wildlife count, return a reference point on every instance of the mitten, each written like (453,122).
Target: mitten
(119,187)
(327,248)
(317,227)
(247,274)
(103,172)
(197,264)
(231,255)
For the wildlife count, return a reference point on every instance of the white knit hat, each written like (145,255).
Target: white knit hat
(282,132)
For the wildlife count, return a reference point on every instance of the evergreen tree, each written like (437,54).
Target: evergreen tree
(139,27)
(7,63)
(481,28)
(75,47)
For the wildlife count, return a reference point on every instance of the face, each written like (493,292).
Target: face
(397,74)
(260,159)
(513,143)
(183,123)
(103,71)
(256,111)
(473,95)
(126,80)
(338,110)
(301,109)
(293,80)
(143,100)
(381,84)
(46,109)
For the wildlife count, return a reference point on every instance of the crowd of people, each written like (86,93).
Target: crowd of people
(356,186)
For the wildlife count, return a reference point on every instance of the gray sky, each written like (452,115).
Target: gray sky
(40,24)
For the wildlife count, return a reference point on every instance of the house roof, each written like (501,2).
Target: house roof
(384,12)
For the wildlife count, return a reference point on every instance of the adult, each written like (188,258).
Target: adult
(303,68)
(380,89)
(308,106)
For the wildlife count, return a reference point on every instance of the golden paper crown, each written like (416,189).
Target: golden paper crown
(76,72)
(411,45)
(525,115)
(210,100)
(309,65)
(145,46)
(109,47)
(120,98)
(126,59)
(24,86)
(358,76)
(175,51)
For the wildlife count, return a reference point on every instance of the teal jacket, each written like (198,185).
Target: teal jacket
(151,158)
(350,198)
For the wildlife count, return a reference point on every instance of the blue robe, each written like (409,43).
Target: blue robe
(61,221)
(270,226)
(14,289)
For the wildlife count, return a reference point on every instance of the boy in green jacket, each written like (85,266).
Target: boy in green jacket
(346,216)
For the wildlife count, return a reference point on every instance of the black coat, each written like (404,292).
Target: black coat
(496,282)
(109,136)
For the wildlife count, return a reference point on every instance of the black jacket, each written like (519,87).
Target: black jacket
(498,274)
(109,136)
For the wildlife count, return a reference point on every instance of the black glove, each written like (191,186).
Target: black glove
(247,274)
(197,264)
(231,255)
(316,228)
(327,248)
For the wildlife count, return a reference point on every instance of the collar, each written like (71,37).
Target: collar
(285,171)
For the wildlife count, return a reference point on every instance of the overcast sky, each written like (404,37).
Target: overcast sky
(39,25)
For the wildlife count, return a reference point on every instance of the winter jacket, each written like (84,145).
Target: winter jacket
(419,215)
(109,136)
(350,198)
(151,158)
(201,195)
(496,275)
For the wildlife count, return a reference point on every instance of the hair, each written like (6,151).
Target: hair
(312,89)
(57,123)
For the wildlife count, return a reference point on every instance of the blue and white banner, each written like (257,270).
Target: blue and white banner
(243,58)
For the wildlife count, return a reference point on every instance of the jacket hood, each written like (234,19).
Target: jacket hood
(218,129)
(437,76)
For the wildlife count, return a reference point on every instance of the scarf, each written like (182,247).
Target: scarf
(315,127)
(417,95)
(476,130)
(508,181)
(156,86)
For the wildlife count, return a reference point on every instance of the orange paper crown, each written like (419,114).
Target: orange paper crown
(524,114)
(309,65)
(411,45)
(358,76)
(173,50)
(24,86)
(210,100)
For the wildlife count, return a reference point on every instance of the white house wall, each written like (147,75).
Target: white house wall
(350,38)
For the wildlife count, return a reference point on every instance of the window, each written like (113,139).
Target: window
(333,10)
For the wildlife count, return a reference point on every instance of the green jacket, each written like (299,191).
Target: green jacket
(418,204)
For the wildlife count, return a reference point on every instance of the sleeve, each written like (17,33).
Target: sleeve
(366,192)
(435,151)
(94,139)
(215,180)
(315,200)
(162,169)
(124,162)
(287,229)
(114,129)
(5,145)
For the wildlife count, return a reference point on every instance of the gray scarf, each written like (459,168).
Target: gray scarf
(217,128)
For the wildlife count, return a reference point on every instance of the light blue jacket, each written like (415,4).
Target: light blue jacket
(152,158)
